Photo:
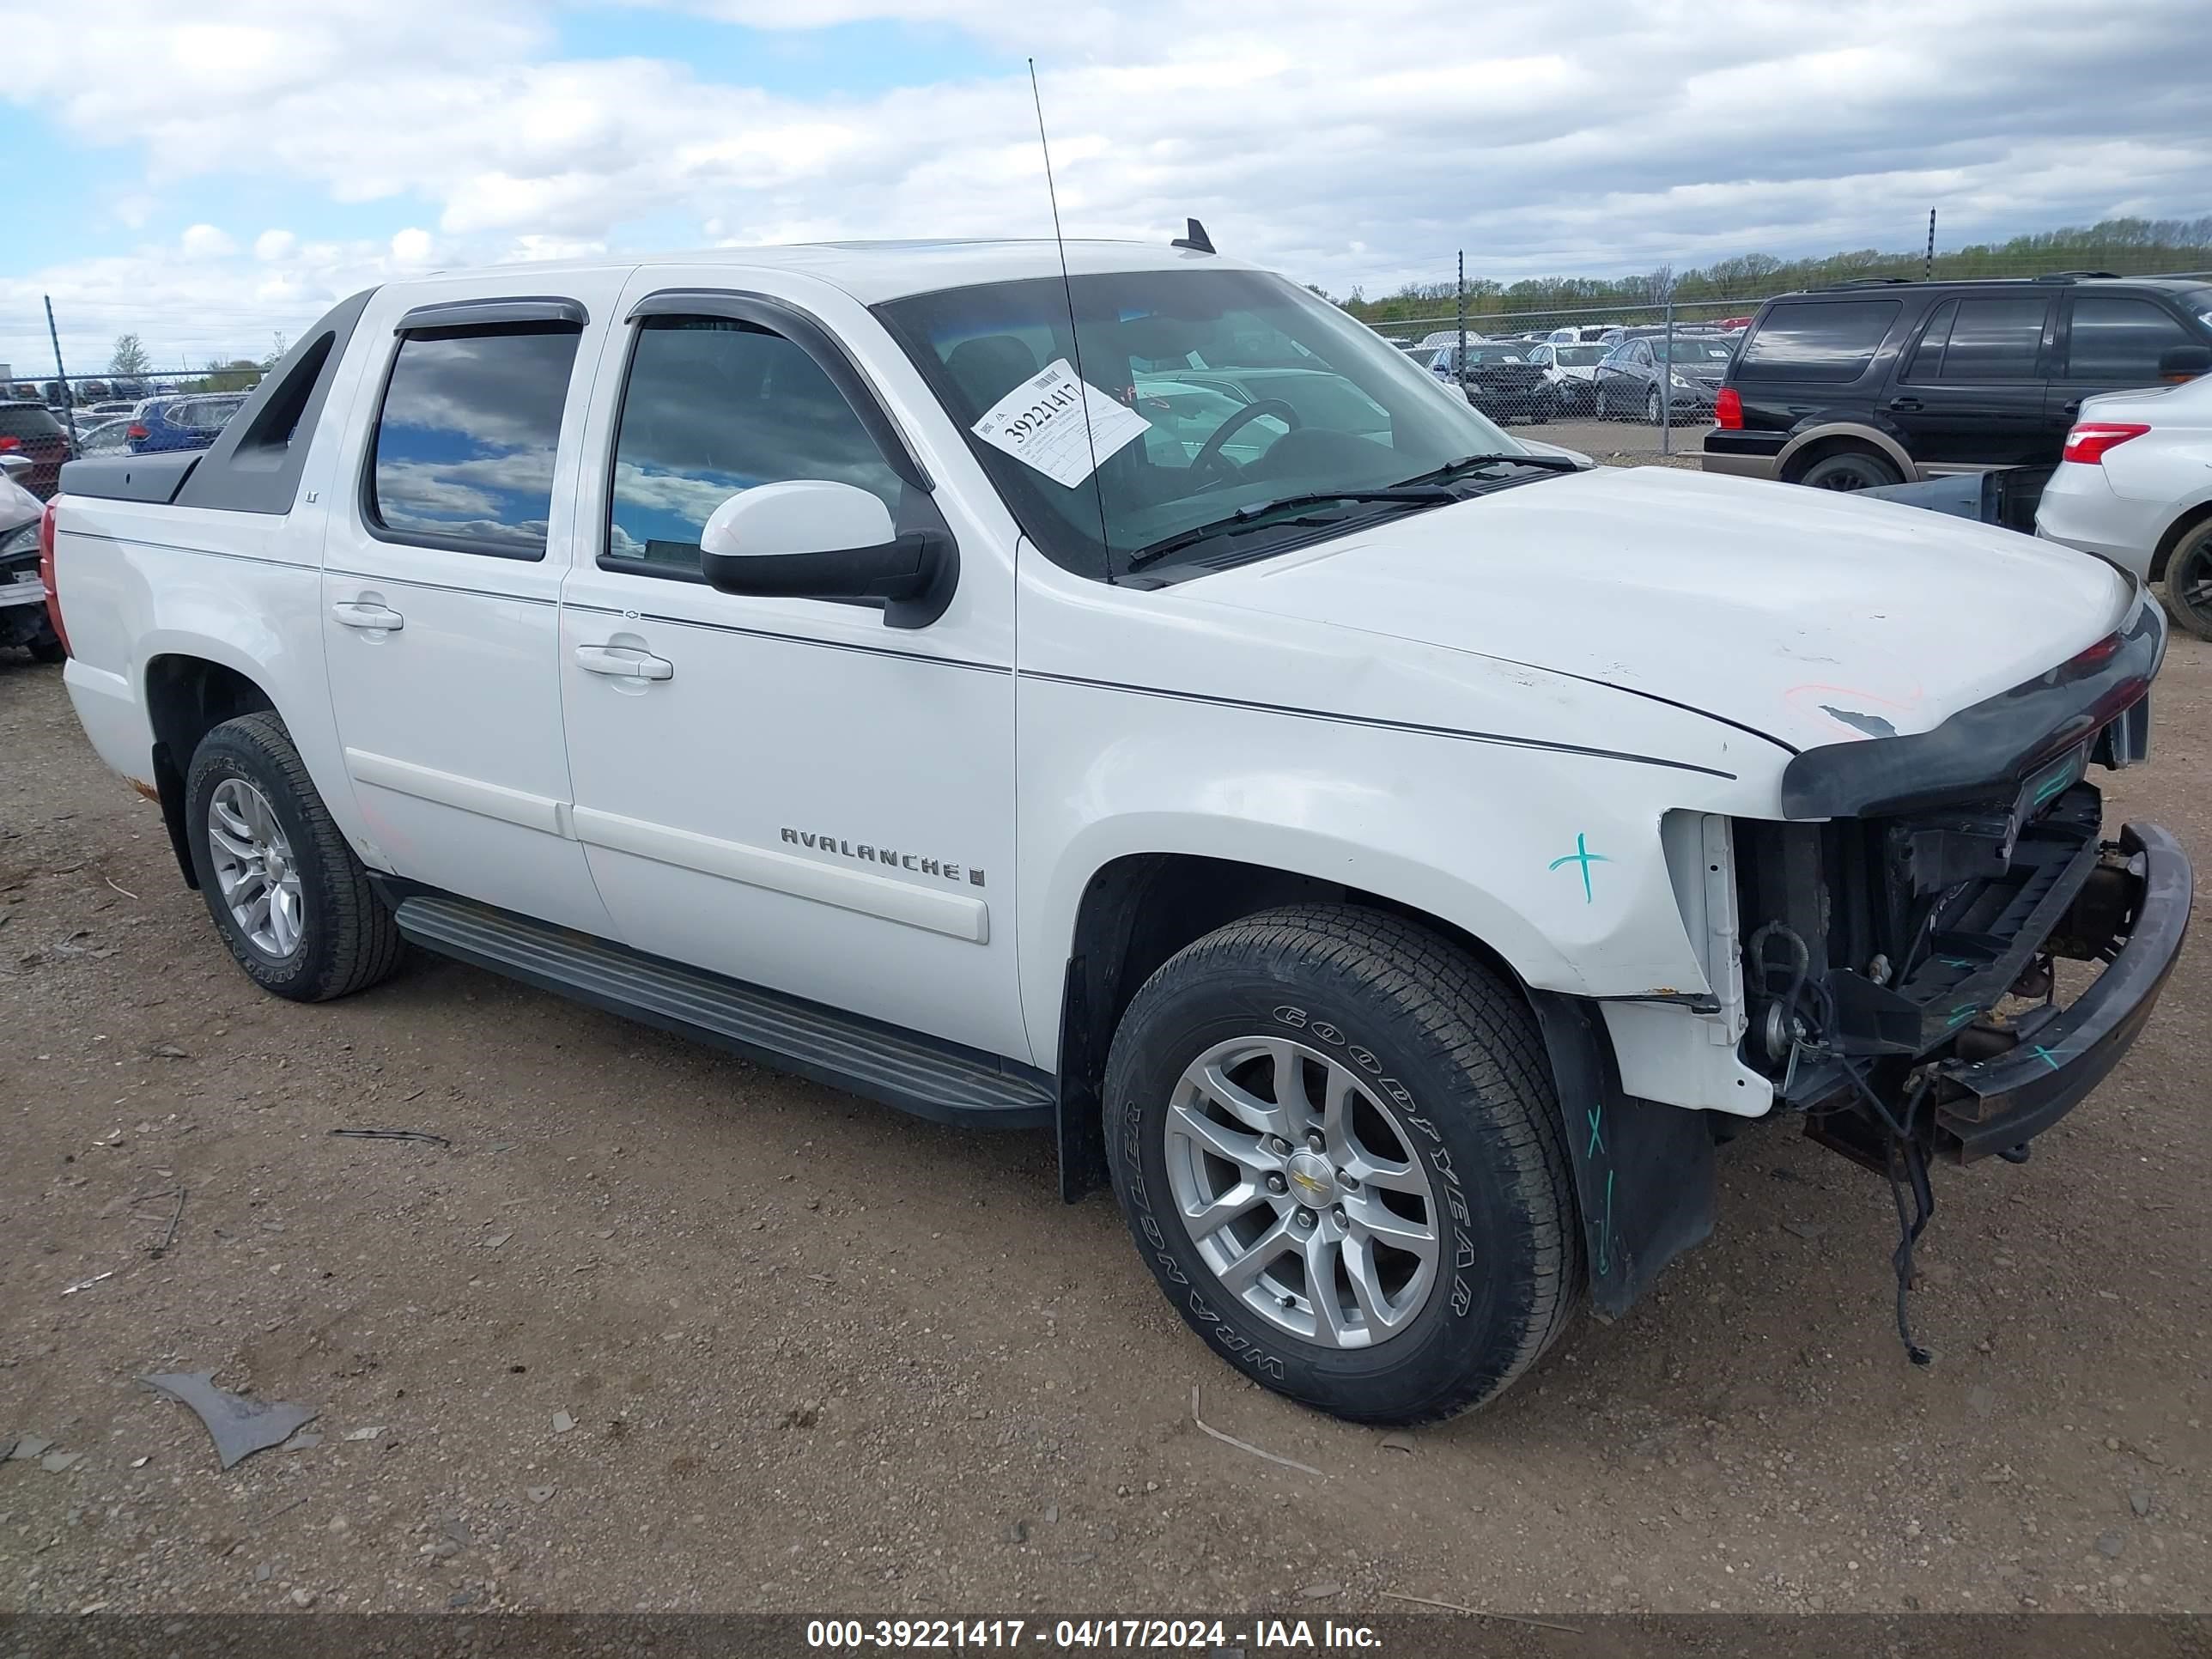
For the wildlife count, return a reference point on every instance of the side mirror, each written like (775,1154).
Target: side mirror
(2185,363)
(16,467)
(815,539)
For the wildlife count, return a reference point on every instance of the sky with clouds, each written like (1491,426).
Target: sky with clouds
(206,172)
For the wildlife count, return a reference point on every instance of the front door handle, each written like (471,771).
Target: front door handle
(2073,409)
(1905,405)
(623,662)
(368,613)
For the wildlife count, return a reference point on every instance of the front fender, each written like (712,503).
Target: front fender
(1554,861)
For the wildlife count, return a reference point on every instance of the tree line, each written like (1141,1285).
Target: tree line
(2125,247)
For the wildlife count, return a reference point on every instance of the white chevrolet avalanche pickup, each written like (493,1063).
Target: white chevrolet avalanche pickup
(1393,855)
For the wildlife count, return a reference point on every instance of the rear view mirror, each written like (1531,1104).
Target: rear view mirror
(15,466)
(2185,363)
(815,539)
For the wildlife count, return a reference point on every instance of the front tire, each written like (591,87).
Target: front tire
(2188,582)
(1336,1142)
(287,893)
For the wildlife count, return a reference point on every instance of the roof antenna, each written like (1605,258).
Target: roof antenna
(1195,238)
(1074,335)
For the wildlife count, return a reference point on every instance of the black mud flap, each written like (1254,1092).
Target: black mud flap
(1644,1171)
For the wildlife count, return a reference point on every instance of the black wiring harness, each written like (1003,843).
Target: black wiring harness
(1810,1008)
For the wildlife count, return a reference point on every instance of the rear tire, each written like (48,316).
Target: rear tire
(2187,585)
(287,893)
(1850,470)
(1429,1250)
(48,651)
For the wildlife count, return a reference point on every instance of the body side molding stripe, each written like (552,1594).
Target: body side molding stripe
(1379,723)
(953,915)
(930,658)
(489,800)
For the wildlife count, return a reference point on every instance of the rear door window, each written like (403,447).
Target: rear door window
(1999,337)
(2120,339)
(465,439)
(1818,340)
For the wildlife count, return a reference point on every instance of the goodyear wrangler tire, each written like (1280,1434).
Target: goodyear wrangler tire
(1335,1136)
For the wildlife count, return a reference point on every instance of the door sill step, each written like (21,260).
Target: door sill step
(916,1073)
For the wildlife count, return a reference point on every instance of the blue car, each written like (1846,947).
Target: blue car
(187,421)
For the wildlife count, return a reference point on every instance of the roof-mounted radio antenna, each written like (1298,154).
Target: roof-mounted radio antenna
(1074,335)
(1195,238)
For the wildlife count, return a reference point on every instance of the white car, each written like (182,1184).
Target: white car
(2135,487)
(1387,854)
(1570,370)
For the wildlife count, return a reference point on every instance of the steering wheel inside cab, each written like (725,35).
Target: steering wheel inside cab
(1210,462)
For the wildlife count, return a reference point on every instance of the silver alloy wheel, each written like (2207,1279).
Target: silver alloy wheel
(253,868)
(1301,1190)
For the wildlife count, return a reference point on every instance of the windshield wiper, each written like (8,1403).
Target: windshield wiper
(1419,492)
(1469,463)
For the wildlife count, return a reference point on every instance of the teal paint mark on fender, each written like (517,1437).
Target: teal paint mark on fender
(1583,857)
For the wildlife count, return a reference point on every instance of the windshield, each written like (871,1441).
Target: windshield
(1692,352)
(1580,356)
(1211,391)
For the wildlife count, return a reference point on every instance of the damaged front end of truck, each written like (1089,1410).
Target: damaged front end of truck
(1944,949)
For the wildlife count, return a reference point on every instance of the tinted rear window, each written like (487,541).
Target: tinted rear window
(2118,337)
(465,441)
(1818,340)
(27,421)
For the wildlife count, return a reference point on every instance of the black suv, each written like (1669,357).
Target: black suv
(1887,381)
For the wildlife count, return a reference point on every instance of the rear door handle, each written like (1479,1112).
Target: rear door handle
(1905,405)
(2073,409)
(367,613)
(623,662)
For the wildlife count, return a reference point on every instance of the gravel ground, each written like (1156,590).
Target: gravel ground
(1621,443)
(662,1330)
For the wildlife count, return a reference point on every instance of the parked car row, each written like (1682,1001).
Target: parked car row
(150,426)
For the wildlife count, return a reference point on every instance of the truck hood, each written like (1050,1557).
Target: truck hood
(1804,615)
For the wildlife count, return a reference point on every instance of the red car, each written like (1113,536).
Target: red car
(30,430)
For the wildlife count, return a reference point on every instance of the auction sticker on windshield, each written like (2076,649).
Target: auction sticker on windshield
(1040,423)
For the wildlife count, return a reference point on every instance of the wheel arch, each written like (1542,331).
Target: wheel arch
(2175,532)
(1813,439)
(188,696)
(1644,1171)
(1139,910)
